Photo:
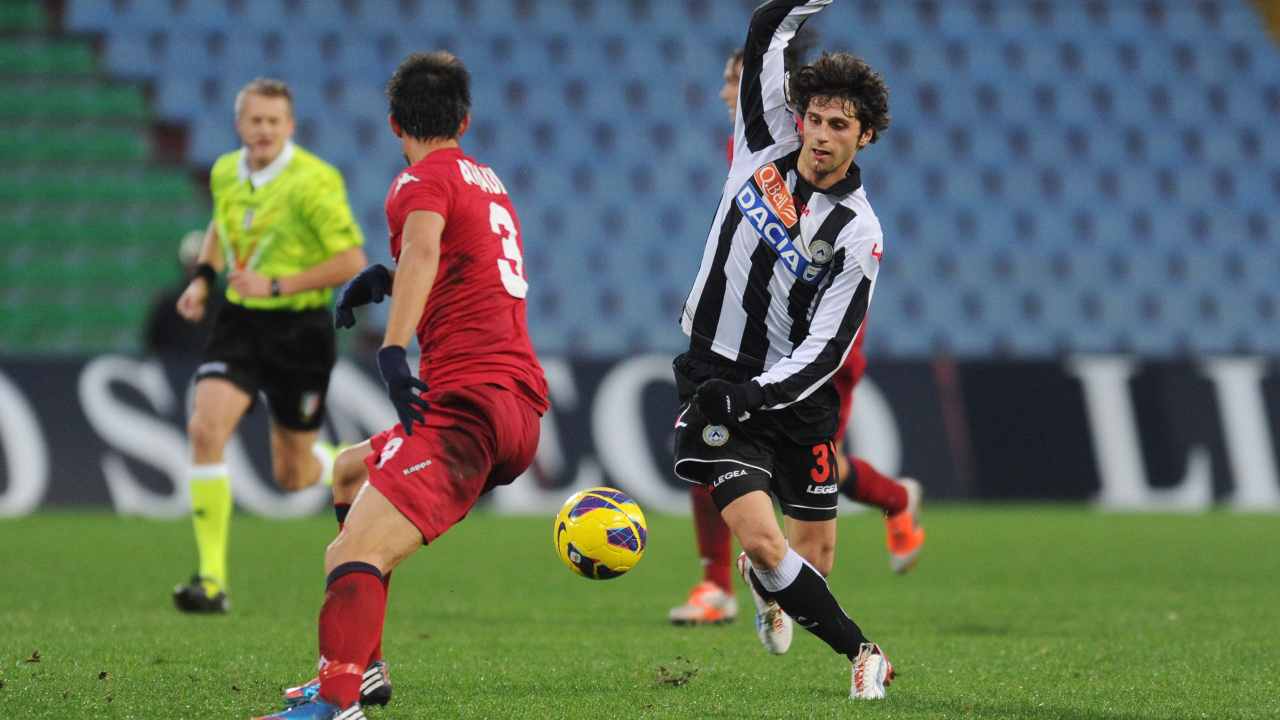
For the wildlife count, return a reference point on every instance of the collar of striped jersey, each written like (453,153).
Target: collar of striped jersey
(850,182)
(268,173)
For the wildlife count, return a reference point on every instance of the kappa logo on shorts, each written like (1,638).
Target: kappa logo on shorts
(715,435)
(415,468)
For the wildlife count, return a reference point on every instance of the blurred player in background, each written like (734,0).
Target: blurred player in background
(283,230)
(786,278)
(166,331)
(471,423)
(712,600)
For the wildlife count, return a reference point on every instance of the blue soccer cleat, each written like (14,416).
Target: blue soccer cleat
(317,709)
(375,687)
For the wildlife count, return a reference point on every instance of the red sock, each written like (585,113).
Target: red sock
(714,542)
(350,621)
(377,645)
(869,487)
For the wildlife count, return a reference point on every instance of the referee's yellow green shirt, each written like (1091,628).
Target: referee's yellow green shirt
(280,220)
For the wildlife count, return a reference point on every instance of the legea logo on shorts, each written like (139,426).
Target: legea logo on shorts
(822,489)
(728,476)
(715,435)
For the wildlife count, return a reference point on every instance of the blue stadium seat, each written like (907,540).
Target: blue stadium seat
(1105,132)
(131,54)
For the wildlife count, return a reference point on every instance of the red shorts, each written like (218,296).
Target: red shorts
(473,440)
(845,379)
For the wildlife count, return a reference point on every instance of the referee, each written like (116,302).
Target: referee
(283,231)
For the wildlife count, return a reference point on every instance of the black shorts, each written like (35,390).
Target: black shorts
(757,454)
(285,354)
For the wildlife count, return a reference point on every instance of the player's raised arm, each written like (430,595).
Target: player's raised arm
(763,116)
(836,321)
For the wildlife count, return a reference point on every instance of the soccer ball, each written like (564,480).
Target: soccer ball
(600,533)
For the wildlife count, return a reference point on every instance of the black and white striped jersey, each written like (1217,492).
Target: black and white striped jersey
(788,270)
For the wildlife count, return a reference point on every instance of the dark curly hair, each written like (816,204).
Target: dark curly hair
(841,75)
(430,95)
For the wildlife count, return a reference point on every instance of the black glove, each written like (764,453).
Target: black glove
(402,386)
(724,403)
(369,286)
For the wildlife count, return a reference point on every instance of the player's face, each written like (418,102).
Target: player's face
(729,92)
(832,136)
(264,124)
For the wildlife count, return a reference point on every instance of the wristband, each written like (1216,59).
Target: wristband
(206,271)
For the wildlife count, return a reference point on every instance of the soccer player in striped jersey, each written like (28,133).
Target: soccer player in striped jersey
(712,601)
(283,230)
(785,281)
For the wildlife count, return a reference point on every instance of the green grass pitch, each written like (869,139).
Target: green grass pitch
(1023,612)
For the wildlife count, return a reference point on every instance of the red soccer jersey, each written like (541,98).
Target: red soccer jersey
(474,329)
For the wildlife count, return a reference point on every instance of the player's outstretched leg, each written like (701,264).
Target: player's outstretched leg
(801,591)
(898,499)
(375,539)
(711,601)
(349,475)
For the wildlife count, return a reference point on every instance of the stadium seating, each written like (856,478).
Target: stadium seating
(89,229)
(1059,177)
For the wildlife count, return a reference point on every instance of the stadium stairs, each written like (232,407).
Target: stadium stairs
(90,222)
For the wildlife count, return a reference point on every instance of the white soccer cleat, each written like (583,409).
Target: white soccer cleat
(773,626)
(872,672)
(707,605)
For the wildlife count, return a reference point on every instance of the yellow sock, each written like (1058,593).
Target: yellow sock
(211,515)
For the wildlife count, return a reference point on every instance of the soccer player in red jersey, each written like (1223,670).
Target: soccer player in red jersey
(471,422)
(712,600)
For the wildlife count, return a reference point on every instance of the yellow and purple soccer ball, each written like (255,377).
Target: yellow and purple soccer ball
(600,533)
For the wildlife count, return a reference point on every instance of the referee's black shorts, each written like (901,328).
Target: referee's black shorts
(285,354)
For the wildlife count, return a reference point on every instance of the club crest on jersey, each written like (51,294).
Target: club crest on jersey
(773,231)
(715,435)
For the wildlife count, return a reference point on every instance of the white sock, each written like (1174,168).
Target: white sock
(783,575)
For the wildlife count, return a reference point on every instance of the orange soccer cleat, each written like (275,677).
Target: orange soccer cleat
(904,537)
(707,605)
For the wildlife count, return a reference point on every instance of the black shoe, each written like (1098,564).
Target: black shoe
(193,598)
(375,686)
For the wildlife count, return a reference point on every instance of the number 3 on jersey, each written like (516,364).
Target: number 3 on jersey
(511,265)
